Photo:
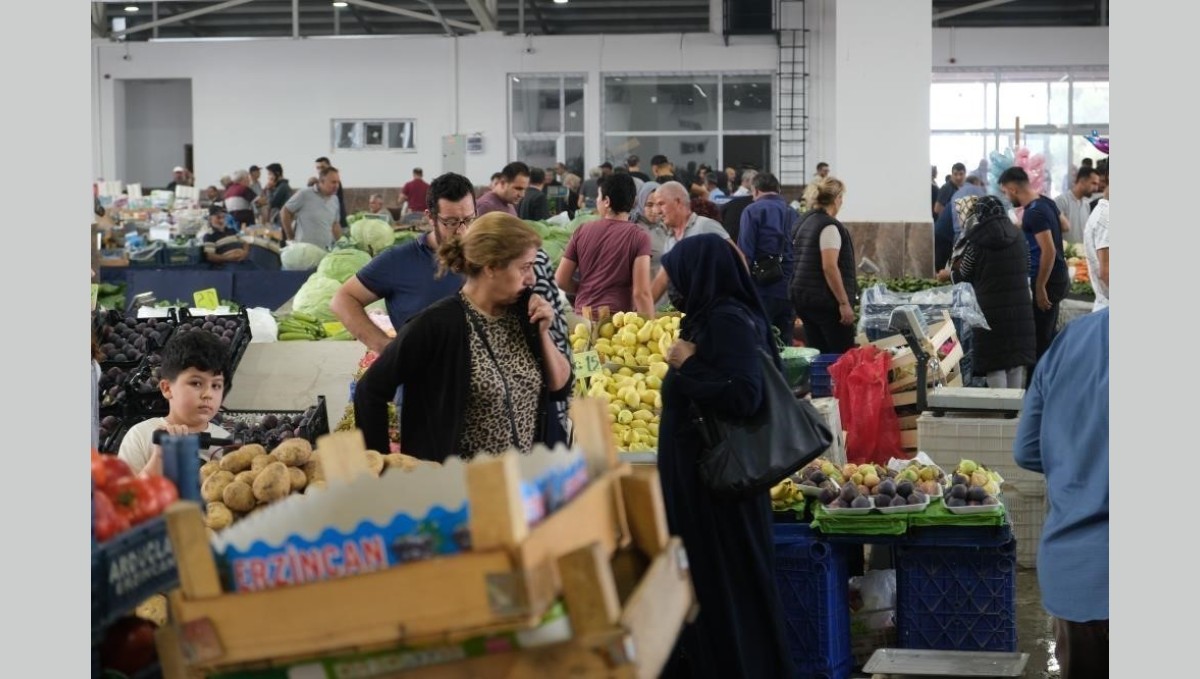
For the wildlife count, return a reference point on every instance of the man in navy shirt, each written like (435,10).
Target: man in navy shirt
(406,276)
(1047,267)
(1063,434)
(764,233)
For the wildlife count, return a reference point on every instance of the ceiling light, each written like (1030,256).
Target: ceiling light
(339,5)
(131,8)
(560,2)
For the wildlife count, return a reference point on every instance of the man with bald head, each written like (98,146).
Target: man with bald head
(675,209)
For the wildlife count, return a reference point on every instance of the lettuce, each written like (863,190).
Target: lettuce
(314,296)
(300,256)
(342,264)
(373,235)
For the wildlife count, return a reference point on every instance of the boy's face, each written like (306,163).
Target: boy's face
(194,396)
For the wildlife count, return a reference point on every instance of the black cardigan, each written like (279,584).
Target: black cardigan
(430,358)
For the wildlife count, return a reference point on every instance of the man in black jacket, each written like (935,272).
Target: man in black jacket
(534,205)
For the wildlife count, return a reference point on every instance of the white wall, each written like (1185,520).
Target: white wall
(261,101)
(882,108)
(158,124)
(1020,47)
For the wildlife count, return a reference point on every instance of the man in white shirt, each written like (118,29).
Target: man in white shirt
(1073,204)
(1095,247)
(675,206)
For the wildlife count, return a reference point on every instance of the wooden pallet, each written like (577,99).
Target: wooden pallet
(509,579)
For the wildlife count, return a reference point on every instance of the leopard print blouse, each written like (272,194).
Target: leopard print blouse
(489,427)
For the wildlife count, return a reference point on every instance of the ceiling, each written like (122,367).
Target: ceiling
(273,18)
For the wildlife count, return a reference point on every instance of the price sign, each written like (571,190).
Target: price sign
(587,363)
(206,299)
(95,295)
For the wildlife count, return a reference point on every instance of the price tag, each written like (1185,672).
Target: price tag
(206,299)
(332,328)
(95,295)
(587,363)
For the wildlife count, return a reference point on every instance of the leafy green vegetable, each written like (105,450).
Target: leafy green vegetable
(374,235)
(314,296)
(297,256)
(342,264)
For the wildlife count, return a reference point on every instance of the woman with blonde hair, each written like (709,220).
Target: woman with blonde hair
(479,368)
(823,284)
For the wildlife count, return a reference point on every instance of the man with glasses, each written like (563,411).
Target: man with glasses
(405,277)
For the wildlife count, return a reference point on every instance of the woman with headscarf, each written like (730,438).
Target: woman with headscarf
(995,261)
(645,215)
(715,365)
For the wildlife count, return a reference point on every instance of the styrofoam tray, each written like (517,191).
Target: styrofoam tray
(977,509)
(906,509)
(852,511)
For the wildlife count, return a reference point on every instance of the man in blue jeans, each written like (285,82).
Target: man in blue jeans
(1063,434)
(764,238)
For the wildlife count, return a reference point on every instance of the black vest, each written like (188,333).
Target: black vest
(808,289)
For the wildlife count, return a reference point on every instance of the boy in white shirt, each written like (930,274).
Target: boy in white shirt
(193,382)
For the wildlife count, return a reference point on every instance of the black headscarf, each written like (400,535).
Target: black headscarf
(988,207)
(706,271)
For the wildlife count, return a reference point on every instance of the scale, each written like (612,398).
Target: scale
(907,321)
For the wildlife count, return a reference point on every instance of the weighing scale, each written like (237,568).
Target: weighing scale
(906,321)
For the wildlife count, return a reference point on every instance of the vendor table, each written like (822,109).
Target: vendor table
(248,287)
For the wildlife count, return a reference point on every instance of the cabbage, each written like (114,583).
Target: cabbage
(300,256)
(314,296)
(342,264)
(375,235)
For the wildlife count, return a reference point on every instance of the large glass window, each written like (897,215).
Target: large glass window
(711,119)
(547,120)
(972,115)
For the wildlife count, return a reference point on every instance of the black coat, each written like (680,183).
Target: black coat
(999,274)
(431,358)
(731,215)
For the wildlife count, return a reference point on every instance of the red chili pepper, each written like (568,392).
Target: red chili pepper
(106,520)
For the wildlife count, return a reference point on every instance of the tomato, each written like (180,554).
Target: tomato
(99,471)
(106,521)
(163,491)
(134,499)
(128,646)
(115,469)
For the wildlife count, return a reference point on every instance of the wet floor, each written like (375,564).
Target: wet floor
(1035,633)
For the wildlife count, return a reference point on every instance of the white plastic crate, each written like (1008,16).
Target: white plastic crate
(1026,509)
(985,440)
(833,417)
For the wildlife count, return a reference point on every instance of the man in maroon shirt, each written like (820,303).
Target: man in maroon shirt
(611,254)
(414,193)
(507,192)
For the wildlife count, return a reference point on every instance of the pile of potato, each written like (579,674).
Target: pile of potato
(250,477)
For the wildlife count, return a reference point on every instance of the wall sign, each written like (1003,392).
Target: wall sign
(475,143)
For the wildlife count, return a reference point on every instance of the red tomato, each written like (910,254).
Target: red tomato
(115,469)
(134,499)
(128,646)
(163,491)
(99,471)
(106,521)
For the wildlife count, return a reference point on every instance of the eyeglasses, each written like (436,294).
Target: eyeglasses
(456,224)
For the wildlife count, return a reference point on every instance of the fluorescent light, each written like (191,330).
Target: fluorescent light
(341,4)
(560,2)
(131,8)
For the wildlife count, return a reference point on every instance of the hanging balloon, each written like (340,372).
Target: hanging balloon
(1101,143)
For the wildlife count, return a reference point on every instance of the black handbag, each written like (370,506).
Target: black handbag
(745,456)
(767,269)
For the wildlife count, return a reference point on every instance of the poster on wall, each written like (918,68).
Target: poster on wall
(475,143)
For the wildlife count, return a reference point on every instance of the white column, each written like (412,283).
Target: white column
(884,52)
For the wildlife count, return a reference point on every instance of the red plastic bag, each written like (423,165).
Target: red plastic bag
(860,384)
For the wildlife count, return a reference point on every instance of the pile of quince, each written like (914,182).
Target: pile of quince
(630,340)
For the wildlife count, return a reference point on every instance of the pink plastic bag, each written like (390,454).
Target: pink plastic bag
(860,384)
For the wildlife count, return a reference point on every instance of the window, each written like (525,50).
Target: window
(546,124)
(974,114)
(374,135)
(694,119)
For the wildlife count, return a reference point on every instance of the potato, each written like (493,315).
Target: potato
(260,463)
(293,452)
(238,460)
(247,477)
(312,470)
(217,516)
(255,449)
(375,462)
(401,461)
(215,485)
(238,496)
(207,469)
(299,480)
(273,483)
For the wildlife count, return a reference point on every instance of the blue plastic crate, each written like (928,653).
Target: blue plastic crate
(956,598)
(821,383)
(181,255)
(813,578)
(130,568)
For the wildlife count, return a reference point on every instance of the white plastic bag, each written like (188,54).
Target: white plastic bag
(263,327)
(878,590)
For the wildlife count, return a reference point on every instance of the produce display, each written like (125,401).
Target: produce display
(633,350)
(121,500)
(249,477)
(972,485)
(269,430)
(300,326)
(111,386)
(128,339)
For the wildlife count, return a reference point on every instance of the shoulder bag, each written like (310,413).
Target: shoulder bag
(742,456)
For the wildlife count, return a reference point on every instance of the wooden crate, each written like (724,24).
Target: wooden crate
(509,579)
